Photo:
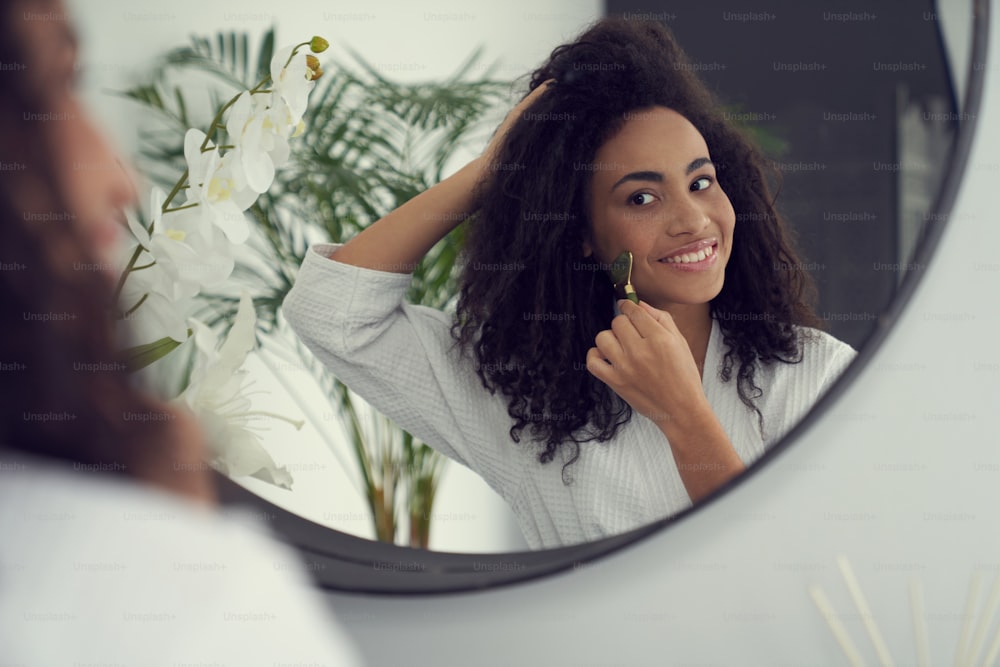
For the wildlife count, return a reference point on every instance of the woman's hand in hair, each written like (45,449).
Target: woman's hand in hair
(646,360)
(493,149)
(399,240)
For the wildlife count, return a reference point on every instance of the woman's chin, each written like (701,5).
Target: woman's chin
(667,300)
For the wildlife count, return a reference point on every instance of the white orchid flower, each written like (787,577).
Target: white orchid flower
(195,254)
(149,295)
(212,184)
(217,394)
(166,247)
(261,143)
(248,126)
(190,247)
(156,317)
(180,257)
(292,84)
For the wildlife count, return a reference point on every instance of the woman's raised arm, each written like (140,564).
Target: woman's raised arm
(397,242)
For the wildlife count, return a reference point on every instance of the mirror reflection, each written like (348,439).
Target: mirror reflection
(476,308)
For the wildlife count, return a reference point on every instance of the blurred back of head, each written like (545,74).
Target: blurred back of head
(65,393)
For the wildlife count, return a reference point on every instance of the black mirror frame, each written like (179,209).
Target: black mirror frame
(342,562)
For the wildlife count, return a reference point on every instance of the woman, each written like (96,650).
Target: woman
(109,542)
(618,147)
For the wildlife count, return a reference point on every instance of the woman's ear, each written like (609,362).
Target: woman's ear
(587,249)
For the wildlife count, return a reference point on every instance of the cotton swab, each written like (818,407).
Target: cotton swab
(920,623)
(866,615)
(985,621)
(838,629)
(970,608)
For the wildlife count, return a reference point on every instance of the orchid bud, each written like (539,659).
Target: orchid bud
(315,71)
(318,44)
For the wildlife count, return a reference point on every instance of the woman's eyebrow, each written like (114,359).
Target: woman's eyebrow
(657,177)
(654,176)
(697,163)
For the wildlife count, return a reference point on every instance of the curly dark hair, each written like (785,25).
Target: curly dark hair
(512,268)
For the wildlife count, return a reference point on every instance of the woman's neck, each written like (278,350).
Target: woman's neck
(695,324)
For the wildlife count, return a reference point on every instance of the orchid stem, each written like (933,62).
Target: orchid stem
(173,193)
(131,263)
(297,423)
(136,306)
(180,208)
(294,51)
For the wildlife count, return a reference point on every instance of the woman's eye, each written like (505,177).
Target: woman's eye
(701,184)
(641,199)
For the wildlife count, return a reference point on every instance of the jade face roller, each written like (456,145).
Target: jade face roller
(621,275)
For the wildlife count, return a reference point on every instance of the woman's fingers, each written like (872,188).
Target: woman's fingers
(530,98)
(624,341)
(513,115)
(608,344)
(625,330)
(599,366)
(647,320)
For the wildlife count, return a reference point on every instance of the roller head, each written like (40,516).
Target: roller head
(621,275)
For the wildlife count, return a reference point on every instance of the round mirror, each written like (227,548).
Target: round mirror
(867,116)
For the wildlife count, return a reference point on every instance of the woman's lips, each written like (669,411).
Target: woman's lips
(692,247)
(695,259)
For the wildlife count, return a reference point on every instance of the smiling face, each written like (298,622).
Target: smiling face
(654,192)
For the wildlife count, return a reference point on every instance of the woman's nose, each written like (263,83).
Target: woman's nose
(685,217)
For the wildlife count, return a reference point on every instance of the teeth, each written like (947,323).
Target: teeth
(690,257)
